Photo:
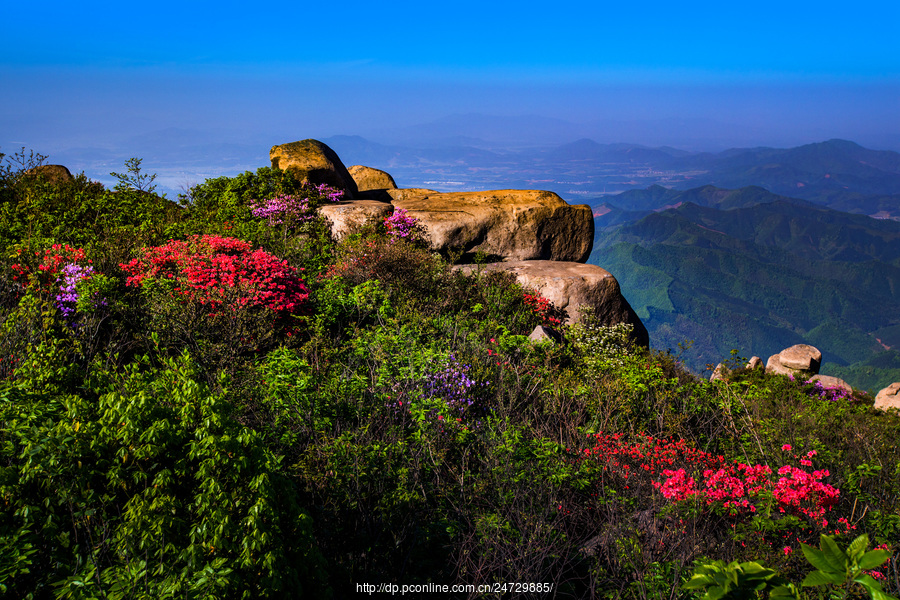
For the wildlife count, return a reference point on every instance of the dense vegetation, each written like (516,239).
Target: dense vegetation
(757,272)
(213,399)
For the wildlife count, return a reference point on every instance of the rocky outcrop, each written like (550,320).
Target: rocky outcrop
(314,162)
(889,397)
(346,216)
(367,178)
(799,360)
(55,174)
(571,285)
(510,225)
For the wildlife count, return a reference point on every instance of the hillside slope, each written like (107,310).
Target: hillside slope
(759,278)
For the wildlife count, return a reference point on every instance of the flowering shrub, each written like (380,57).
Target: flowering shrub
(51,261)
(400,225)
(204,268)
(73,292)
(446,394)
(737,487)
(542,308)
(60,272)
(815,389)
(293,209)
(453,384)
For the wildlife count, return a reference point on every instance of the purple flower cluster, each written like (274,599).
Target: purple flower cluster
(67,299)
(401,225)
(282,208)
(453,385)
(326,192)
(292,210)
(831,394)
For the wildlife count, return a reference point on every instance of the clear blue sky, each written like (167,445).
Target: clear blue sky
(90,72)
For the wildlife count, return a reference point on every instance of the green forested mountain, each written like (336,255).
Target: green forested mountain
(759,278)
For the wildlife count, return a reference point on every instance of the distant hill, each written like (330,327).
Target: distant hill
(836,173)
(757,278)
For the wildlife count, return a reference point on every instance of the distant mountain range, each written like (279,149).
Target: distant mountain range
(757,272)
(837,174)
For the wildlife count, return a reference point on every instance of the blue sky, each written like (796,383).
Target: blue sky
(93,73)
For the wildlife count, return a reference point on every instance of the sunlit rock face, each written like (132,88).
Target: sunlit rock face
(502,224)
(313,162)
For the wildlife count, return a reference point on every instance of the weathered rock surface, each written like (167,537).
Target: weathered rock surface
(570,285)
(755,362)
(829,382)
(889,397)
(801,359)
(345,216)
(55,174)
(367,178)
(313,162)
(510,225)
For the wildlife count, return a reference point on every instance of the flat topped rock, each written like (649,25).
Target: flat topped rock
(801,359)
(314,162)
(570,285)
(507,225)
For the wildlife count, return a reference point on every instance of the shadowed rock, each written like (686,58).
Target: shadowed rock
(314,162)
(55,174)
(571,285)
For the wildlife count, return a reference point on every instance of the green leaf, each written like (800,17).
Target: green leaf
(816,558)
(833,554)
(822,578)
(784,591)
(873,559)
(698,581)
(880,595)
(868,582)
(858,546)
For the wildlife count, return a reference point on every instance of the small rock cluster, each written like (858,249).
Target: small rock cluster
(803,360)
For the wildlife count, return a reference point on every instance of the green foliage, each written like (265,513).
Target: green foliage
(146,486)
(840,568)
(133,179)
(739,581)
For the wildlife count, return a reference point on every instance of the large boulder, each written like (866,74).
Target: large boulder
(367,178)
(800,360)
(571,285)
(314,162)
(55,174)
(346,216)
(889,397)
(510,225)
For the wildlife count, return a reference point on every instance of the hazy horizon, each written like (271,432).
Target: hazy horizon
(100,77)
